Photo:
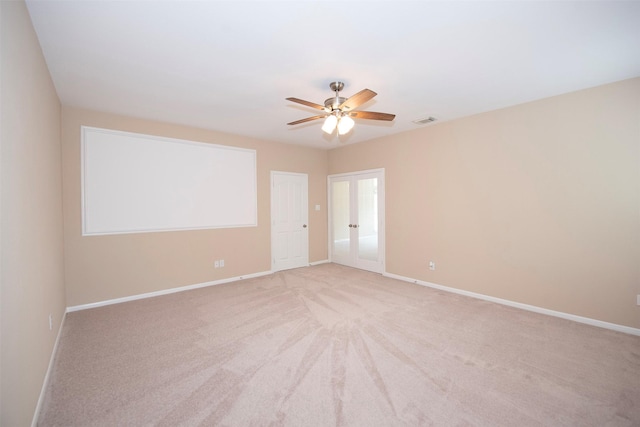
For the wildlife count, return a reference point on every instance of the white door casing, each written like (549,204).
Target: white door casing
(289,220)
(356,219)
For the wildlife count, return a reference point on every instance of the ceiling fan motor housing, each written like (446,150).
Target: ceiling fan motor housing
(334,103)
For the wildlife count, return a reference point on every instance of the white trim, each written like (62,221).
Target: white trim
(164,292)
(324,261)
(363,172)
(218,158)
(352,260)
(535,309)
(45,382)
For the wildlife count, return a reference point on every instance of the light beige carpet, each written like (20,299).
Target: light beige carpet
(334,346)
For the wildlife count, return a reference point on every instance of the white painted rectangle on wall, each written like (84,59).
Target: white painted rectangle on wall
(133,183)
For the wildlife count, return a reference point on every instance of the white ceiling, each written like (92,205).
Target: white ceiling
(229,65)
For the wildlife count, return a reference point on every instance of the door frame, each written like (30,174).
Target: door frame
(305,214)
(365,265)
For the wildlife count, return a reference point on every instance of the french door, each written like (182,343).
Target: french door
(289,219)
(356,219)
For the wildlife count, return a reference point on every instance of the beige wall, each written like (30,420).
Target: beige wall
(538,203)
(31,276)
(100,268)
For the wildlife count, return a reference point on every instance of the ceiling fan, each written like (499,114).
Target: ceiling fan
(338,111)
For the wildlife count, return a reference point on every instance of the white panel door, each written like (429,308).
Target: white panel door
(289,220)
(356,219)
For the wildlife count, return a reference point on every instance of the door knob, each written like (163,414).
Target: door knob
(304,225)
(350,225)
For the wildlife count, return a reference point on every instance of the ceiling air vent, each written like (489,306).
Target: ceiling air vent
(424,121)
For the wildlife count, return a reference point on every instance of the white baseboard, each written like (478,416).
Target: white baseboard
(45,382)
(560,314)
(164,292)
(324,261)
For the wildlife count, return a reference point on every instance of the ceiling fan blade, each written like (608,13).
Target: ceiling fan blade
(308,119)
(372,115)
(358,99)
(307,103)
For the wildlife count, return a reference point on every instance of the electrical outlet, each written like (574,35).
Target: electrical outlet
(221,263)
(432,265)
(216,264)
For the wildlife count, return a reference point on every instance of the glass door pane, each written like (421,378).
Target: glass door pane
(368,219)
(340,216)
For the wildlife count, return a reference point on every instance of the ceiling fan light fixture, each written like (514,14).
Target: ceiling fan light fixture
(330,124)
(339,111)
(345,125)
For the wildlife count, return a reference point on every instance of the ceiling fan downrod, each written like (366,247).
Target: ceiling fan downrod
(333,103)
